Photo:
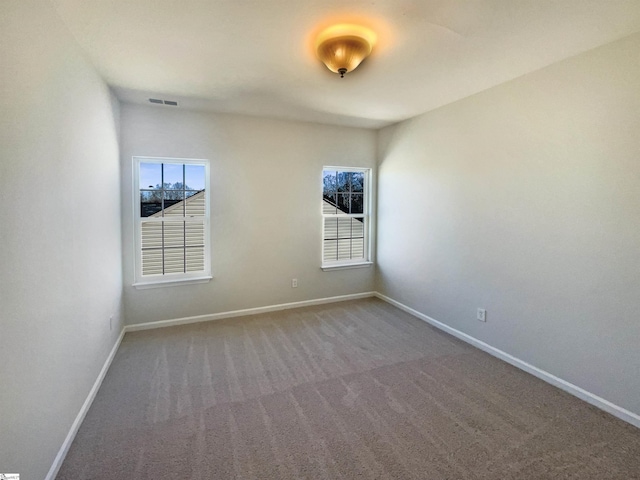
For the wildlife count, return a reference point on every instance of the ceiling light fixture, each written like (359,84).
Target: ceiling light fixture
(343,47)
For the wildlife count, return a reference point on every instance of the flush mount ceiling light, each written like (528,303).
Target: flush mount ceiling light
(343,47)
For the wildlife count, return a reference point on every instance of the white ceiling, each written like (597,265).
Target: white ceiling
(256,57)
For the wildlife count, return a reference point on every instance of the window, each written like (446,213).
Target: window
(171,221)
(345,217)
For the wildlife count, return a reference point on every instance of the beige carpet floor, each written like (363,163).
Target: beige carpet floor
(353,390)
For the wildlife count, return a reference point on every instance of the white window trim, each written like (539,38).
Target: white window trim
(346,266)
(172,283)
(170,279)
(359,262)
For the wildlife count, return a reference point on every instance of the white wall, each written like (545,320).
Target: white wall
(265,207)
(60,261)
(525,200)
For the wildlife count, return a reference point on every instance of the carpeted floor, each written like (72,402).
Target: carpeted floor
(353,390)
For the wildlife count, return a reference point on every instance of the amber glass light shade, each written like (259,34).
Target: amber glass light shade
(343,47)
(343,54)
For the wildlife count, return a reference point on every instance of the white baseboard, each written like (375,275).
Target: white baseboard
(64,449)
(595,400)
(245,312)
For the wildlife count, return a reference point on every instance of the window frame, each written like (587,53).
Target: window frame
(366,215)
(169,279)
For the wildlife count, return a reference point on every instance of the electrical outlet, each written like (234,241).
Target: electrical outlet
(482,315)
(294,283)
(111,322)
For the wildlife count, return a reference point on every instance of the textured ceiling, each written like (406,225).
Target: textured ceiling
(256,57)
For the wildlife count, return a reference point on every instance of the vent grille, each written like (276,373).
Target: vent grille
(158,101)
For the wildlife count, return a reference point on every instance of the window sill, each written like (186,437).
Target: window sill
(172,283)
(345,266)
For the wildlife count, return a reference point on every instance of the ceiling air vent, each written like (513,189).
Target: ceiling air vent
(164,102)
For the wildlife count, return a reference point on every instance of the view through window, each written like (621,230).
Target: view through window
(345,215)
(172,218)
